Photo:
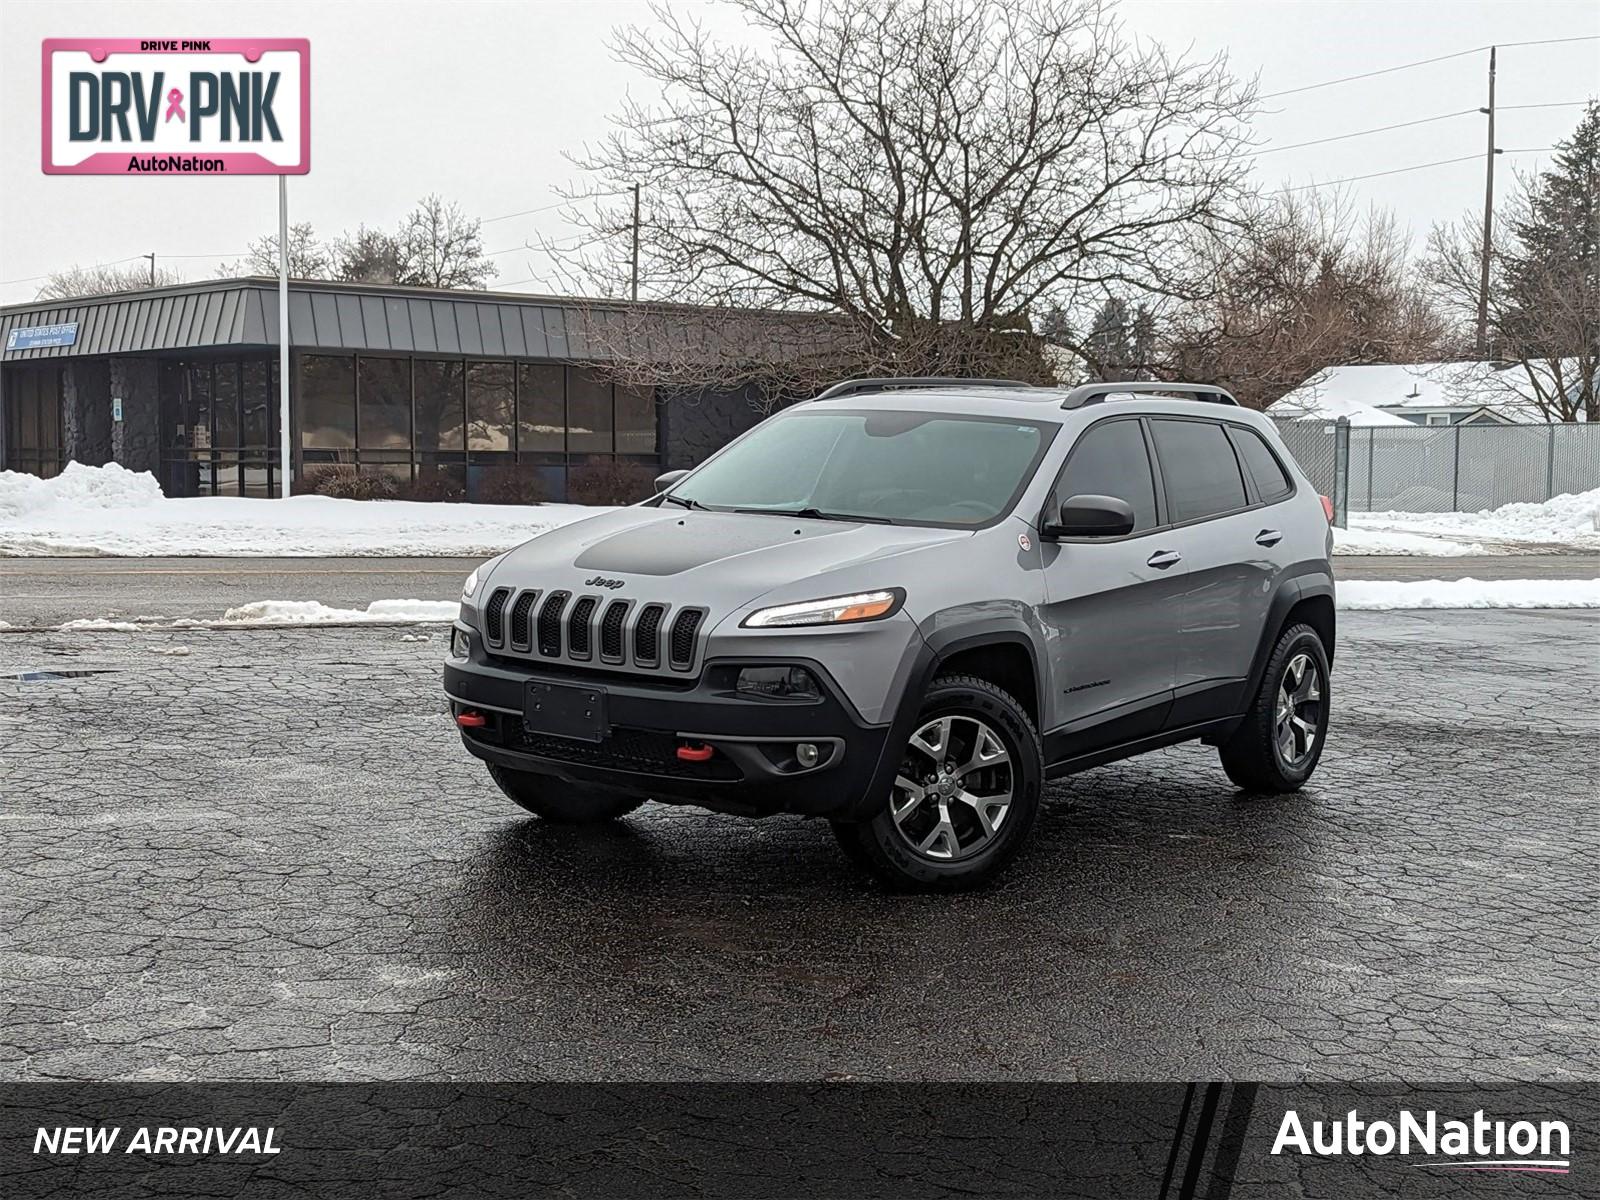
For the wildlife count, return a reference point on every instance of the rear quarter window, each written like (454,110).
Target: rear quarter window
(1263,466)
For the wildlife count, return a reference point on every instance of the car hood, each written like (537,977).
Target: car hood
(717,559)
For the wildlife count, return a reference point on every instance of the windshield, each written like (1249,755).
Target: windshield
(907,468)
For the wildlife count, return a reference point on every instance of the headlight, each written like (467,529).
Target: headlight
(835,610)
(471,585)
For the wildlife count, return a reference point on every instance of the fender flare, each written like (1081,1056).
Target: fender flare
(1315,582)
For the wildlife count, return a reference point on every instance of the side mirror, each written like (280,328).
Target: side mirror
(1092,516)
(668,478)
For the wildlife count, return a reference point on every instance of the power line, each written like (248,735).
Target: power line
(1443,162)
(1364,132)
(1422,62)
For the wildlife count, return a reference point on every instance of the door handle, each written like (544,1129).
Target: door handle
(1268,537)
(1162,559)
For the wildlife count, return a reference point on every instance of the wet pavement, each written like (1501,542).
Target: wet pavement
(263,855)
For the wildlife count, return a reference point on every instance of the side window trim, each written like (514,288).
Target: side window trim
(1044,517)
(1244,476)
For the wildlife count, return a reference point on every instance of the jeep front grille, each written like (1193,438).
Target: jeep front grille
(494,614)
(682,646)
(611,642)
(646,642)
(578,627)
(585,628)
(550,624)
(522,620)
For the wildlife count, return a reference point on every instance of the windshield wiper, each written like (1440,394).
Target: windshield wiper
(687,502)
(816,514)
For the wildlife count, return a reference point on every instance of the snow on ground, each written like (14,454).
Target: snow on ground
(1367,594)
(1571,520)
(113,511)
(1354,594)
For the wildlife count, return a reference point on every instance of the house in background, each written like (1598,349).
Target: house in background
(1459,393)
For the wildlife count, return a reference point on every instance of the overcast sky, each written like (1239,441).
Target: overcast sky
(477,100)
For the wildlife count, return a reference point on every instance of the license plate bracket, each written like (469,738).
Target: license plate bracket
(566,710)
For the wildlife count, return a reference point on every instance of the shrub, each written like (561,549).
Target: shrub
(348,483)
(609,481)
(434,486)
(510,485)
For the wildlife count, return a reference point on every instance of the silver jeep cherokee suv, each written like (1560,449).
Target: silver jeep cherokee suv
(905,604)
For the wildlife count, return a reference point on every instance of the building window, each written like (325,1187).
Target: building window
(588,412)
(491,405)
(636,419)
(327,402)
(225,406)
(439,404)
(257,404)
(542,408)
(383,390)
(33,420)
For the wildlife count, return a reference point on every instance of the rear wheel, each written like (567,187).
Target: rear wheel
(1278,744)
(965,797)
(560,802)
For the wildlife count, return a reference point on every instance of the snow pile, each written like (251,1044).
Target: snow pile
(1361,594)
(312,612)
(1567,521)
(112,511)
(78,488)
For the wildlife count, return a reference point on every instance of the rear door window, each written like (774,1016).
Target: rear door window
(1266,472)
(1199,469)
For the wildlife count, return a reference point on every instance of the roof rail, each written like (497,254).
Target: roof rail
(1095,393)
(886,383)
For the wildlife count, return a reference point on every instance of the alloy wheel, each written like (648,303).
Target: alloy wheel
(954,788)
(1298,716)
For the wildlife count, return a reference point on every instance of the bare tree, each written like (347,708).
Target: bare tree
(935,172)
(368,256)
(440,247)
(308,258)
(1544,281)
(100,281)
(1314,284)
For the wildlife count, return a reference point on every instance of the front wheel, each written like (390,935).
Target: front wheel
(965,797)
(1277,745)
(560,802)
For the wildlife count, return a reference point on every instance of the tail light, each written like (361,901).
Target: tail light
(1327,508)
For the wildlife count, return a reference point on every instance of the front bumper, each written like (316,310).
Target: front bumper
(753,770)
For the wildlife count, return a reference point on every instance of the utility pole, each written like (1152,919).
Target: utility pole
(152,259)
(1488,222)
(635,290)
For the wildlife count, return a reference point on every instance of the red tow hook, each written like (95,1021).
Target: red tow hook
(471,720)
(695,752)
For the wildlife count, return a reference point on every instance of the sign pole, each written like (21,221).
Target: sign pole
(286,467)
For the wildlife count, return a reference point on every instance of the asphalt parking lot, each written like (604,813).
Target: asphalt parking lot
(262,855)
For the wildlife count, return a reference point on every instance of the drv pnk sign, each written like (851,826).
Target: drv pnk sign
(167,106)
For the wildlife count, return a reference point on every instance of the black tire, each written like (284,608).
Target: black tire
(1253,757)
(881,845)
(560,802)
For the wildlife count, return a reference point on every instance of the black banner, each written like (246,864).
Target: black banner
(1162,1141)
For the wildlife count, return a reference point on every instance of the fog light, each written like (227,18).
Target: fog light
(459,644)
(806,755)
(778,683)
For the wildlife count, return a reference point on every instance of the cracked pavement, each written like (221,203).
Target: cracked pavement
(269,858)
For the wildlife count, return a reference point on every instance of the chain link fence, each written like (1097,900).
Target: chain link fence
(1442,468)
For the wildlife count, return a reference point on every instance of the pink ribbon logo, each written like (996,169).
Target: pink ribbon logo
(175,105)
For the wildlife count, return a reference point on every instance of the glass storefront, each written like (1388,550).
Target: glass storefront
(448,426)
(219,427)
